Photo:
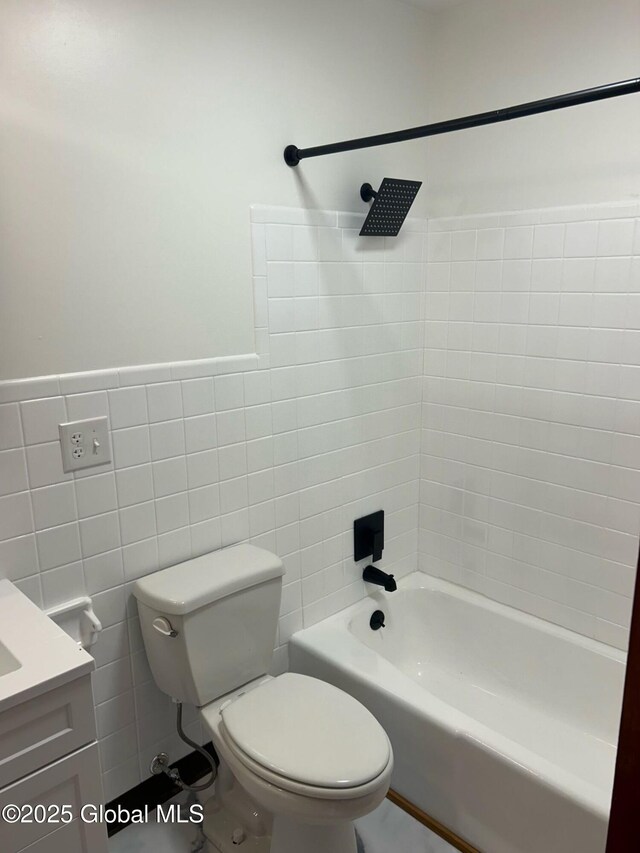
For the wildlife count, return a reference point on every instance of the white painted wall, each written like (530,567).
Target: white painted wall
(495,53)
(135,137)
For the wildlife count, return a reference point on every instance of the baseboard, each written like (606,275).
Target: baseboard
(156,790)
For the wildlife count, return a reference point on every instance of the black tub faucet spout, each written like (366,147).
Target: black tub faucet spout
(377,576)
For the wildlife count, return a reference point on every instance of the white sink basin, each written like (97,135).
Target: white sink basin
(7,661)
(35,654)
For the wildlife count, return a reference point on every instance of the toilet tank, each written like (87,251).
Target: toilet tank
(209,624)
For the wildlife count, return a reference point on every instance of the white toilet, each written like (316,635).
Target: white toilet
(300,759)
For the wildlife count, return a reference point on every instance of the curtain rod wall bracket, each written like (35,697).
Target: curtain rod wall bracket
(293,154)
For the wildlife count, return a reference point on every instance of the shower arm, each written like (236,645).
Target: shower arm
(293,154)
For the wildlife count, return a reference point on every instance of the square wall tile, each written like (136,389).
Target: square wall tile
(489,244)
(58,546)
(257,387)
(96,495)
(137,522)
(615,237)
(170,476)
(99,533)
(167,439)
(13,471)
(164,401)
(204,504)
(200,433)
(230,427)
(62,584)
(32,588)
(174,547)
(305,243)
(10,428)
(280,280)
(140,558)
(581,240)
(233,495)
(518,242)
(40,419)
(463,245)
(128,407)
(205,537)
(54,505)
(131,446)
(232,461)
(103,571)
(44,465)
(83,406)
(172,512)
(15,515)
(548,241)
(279,242)
(202,468)
(134,485)
(229,392)
(18,557)
(197,396)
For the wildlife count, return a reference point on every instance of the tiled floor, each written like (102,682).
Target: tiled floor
(153,838)
(386,830)
(390,830)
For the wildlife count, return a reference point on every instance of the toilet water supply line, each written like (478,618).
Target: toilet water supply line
(160,763)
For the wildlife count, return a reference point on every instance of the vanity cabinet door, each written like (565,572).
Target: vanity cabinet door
(45,728)
(73,781)
(70,838)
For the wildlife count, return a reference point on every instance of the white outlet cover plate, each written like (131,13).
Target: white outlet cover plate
(85,443)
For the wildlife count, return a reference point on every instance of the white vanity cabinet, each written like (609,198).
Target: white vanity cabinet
(48,751)
(73,781)
(40,731)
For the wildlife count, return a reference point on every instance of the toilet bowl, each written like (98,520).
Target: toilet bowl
(300,759)
(308,754)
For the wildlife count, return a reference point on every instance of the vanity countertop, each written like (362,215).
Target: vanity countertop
(35,654)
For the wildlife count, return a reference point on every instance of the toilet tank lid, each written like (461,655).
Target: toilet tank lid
(187,586)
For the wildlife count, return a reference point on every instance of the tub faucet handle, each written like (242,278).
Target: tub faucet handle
(368,536)
(378,545)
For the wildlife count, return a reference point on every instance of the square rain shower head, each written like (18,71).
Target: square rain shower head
(390,206)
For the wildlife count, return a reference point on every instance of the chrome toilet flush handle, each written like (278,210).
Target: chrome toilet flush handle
(163,626)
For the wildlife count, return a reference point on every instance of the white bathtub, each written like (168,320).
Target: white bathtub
(503,726)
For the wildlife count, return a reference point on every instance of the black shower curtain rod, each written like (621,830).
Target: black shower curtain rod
(293,154)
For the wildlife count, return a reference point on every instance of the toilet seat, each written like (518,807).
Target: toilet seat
(307,737)
(291,787)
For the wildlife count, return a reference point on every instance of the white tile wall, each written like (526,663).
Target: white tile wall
(284,451)
(501,431)
(530,466)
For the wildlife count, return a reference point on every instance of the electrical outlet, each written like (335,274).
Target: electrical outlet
(84,443)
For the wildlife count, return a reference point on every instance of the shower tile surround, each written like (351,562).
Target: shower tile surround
(479,382)
(530,448)
(283,449)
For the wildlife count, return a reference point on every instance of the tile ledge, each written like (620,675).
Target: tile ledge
(17,390)
(555,214)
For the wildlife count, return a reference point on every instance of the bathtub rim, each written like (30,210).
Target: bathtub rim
(384,677)
(423,580)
